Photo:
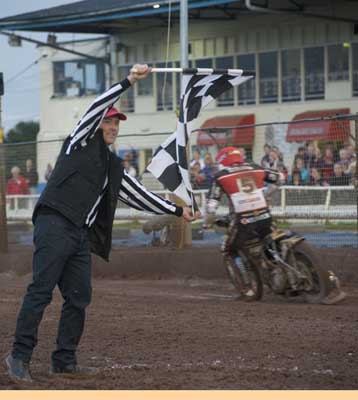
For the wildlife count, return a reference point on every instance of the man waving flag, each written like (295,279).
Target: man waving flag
(199,87)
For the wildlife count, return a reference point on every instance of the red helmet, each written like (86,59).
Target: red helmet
(229,156)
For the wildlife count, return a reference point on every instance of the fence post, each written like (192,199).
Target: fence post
(182,235)
(283,198)
(328,203)
(356,172)
(3,221)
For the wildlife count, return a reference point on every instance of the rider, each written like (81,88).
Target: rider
(250,218)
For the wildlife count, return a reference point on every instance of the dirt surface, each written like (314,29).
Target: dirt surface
(148,262)
(194,334)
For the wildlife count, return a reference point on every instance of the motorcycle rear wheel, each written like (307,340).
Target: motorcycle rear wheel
(254,276)
(309,263)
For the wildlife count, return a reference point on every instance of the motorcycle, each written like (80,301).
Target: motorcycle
(286,264)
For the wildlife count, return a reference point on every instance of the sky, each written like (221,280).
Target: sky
(21,101)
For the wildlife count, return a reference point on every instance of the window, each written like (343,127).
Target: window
(268,77)
(355,68)
(227,98)
(314,73)
(338,64)
(204,63)
(247,91)
(164,88)
(127,97)
(78,78)
(291,75)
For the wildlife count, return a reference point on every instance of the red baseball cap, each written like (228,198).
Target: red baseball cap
(114,112)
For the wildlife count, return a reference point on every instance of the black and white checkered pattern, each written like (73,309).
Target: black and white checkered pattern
(169,163)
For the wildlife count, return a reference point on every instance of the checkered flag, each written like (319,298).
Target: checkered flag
(199,87)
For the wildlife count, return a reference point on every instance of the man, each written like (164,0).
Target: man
(17,183)
(265,160)
(73,217)
(250,217)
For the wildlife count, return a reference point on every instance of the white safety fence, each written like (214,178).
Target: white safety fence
(290,202)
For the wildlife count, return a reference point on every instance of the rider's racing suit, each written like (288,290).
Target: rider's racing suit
(250,217)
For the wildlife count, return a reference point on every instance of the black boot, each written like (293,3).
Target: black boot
(74,370)
(18,369)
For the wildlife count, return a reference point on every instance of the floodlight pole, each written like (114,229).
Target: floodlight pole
(181,229)
(184,42)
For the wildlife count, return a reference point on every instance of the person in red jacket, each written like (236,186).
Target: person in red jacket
(250,217)
(17,183)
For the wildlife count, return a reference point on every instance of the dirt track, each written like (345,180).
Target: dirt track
(193,334)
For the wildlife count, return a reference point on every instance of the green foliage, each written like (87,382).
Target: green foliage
(20,145)
(23,132)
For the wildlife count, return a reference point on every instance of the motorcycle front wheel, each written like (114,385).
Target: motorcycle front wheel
(251,292)
(308,263)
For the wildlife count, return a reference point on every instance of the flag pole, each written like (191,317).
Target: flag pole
(206,71)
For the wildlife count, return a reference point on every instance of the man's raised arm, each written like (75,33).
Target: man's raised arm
(94,114)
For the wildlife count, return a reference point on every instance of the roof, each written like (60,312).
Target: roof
(105,16)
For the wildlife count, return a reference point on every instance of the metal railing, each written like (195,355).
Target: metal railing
(332,203)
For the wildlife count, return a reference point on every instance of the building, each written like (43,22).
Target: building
(305,55)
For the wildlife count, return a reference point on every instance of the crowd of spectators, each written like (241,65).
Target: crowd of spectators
(311,166)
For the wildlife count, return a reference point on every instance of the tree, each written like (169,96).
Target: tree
(20,145)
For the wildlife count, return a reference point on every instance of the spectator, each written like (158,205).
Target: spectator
(316,178)
(344,159)
(134,159)
(339,178)
(208,171)
(265,160)
(129,168)
(273,159)
(31,176)
(330,146)
(318,161)
(278,152)
(301,153)
(197,159)
(48,172)
(299,166)
(351,152)
(196,178)
(327,163)
(296,178)
(17,183)
(282,168)
(310,155)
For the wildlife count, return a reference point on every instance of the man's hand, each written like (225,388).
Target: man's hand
(138,72)
(188,215)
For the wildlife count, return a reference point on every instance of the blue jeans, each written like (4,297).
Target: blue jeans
(62,257)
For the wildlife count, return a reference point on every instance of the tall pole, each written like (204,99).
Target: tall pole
(184,42)
(3,221)
(181,229)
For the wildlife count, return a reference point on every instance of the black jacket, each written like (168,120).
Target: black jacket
(76,183)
